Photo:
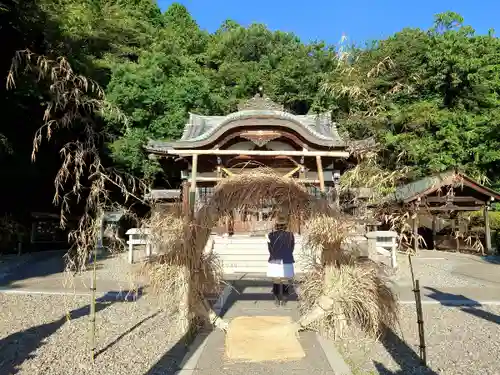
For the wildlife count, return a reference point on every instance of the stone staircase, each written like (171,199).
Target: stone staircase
(243,254)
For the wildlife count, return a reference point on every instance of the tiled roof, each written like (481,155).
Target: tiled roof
(201,127)
(427,185)
(201,130)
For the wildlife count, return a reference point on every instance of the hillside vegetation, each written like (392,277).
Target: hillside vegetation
(430,97)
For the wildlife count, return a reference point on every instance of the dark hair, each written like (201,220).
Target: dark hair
(280,226)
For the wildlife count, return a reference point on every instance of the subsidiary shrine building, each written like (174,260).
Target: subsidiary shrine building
(306,147)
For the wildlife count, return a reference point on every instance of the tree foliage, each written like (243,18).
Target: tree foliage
(430,97)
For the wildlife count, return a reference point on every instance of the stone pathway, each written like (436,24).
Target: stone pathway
(253,299)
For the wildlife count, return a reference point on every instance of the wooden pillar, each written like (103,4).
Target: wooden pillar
(336,183)
(487,230)
(321,176)
(185,198)
(415,233)
(302,172)
(192,190)
(230,227)
(434,231)
(457,233)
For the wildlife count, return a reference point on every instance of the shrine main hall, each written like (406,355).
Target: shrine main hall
(260,134)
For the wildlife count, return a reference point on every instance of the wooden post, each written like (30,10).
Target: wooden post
(415,233)
(185,198)
(457,234)
(394,260)
(230,229)
(487,230)
(130,249)
(192,190)
(420,322)
(434,231)
(320,174)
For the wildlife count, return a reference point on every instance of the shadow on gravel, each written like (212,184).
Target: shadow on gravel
(128,331)
(37,265)
(493,259)
(403,355)
(170,363)
(465,304)
(450,299)
(20,346)
(482,314)
(32,265)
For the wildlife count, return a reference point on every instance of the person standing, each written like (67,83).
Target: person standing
(281,243)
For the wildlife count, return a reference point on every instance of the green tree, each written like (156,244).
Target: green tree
(431,98)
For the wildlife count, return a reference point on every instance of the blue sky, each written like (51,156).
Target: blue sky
(360,20)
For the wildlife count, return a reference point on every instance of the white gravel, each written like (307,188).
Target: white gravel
(36,338)
(460,341)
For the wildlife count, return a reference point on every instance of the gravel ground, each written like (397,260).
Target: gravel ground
(435,272)
(38,272)
(132,337)
(460,341)
(117,268)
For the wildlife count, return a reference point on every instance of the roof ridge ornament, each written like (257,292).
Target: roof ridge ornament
(260,101)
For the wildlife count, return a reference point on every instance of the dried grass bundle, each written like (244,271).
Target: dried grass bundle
(326,235)
(179,275)
(263,186)
(359,293)
(331,285)
(166,231)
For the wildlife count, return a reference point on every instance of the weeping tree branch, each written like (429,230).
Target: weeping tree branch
(76,103)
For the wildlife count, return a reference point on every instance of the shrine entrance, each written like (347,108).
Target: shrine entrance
(256,221)
(253,222)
